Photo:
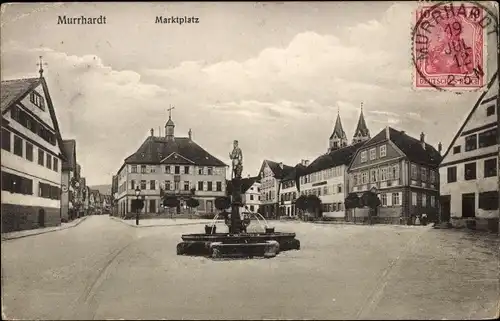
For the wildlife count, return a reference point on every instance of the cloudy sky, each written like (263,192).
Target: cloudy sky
(270,75)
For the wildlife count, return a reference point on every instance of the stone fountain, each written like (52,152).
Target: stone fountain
(237,242)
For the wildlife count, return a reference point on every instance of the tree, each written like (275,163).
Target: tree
(301,202)
(192,203)
(222,202)
(351,202)
(371,200)
(171,201)
(137,204)
(314,204)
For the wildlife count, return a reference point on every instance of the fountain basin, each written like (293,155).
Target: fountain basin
(242,244)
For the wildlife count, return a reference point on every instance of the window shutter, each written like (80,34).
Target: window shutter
(400,198)
(389,199)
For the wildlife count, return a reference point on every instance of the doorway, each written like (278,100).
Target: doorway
(41,218)
(445,208)
(469,205)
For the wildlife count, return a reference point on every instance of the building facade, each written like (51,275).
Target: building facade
(68,181)
(326,177)
(469,170)
(31,156)
(402,171)
(170,166)
(290,189)
(271,173)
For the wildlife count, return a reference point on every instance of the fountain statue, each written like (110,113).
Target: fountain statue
(236,243)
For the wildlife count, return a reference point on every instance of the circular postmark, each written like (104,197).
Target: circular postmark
(449,45)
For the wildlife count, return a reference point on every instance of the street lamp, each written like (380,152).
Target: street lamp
(137,195)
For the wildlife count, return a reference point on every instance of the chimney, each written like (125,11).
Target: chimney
(403,132)
(422,139)
(304,162)
(190,133)
(387,132)
(440,148)
(152,132)
(281,165)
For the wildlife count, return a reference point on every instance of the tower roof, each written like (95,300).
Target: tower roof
(170,122)
(361,129)
(338,130)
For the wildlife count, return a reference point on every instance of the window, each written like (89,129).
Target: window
(200,186)
(152,169)
(176,185)
(470,142)
(383,151)
(325,190)
(433,176)
(457,149)
(186,185)
(488,200)
(168,186)
(470,171)
(452,174)
(16,184)
(210,171)
(56,165)
(365,177)
(200,170)
(490,110)
(373,176)
(395,172)
(143,184)
(37,100)
(209,186)
(252,208)
(414,199)
(48,164)
(29,151)
(488,138)
(383,199)
(41,157)
(186,169)
(167,169)
(433,201)
(177,170)
(134,168)
(383,173)
(490,167)
(413,171)
(424,200)
(339,188)
(395,199)
(219,187)
(424,174)
(132,184)
(373,154)
(143,169)
(152,184)
(251,197)
(5,140)
(363,156)
(18,146)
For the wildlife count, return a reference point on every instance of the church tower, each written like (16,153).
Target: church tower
(338,139)
(169,126)
(361,133)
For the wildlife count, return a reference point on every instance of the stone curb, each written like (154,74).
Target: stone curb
(158,225)
(8,238)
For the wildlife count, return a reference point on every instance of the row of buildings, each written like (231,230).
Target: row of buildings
(409,176)
(42,183)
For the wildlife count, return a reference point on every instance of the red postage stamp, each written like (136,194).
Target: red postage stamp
(449,46)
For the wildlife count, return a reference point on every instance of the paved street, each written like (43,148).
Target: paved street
(104,269)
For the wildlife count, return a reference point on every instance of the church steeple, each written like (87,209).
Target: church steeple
(361,133)
(169,126)
(338,138)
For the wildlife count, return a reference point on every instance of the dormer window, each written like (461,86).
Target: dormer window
(373,154)
(383,151)
(363,157)
(37,100)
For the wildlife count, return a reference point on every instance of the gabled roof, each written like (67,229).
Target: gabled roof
(69,151)
(338,130)
(476,105)
(295,173)
(155,149)
(13,91)
(246,183)
(411,147)
(276,168)
(361,128)
(338,157)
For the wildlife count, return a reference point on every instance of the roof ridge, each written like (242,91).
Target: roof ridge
(21,79)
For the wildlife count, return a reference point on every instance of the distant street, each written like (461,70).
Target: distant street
(104,269)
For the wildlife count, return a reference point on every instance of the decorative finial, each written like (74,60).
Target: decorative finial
(41,64)
(361,106)
(338,110)
(170,111)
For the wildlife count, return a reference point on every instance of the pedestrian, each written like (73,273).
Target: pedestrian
(424,219)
